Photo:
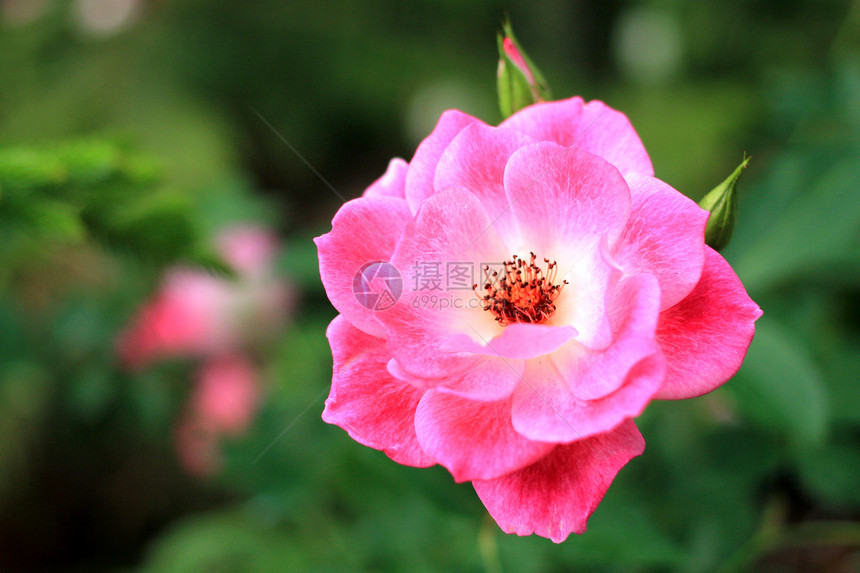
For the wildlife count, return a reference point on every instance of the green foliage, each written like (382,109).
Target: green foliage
(69,193)
(781,386)
(817,229)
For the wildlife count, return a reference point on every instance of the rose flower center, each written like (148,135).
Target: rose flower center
(521,292)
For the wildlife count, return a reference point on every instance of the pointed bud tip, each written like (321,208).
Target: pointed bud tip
(516,58)
(722,203)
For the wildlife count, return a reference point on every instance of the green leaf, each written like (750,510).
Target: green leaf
(843,372)
(819,226)
(831,473)
(781,387)
(621,531)
(212,263)
(89,162)
(22,169)
(57,221)
(226,541)
(157,227)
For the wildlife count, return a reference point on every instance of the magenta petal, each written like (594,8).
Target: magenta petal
(584,302)
(565,199)
(363,231)
(451,226)
(705,336)
(491,380)
(519,340)
(663,237)
(376,409)
(475,160)
(545,408)
(421,383)
(487,380)
(594,127)
(422,168)
(474,440)
(392,183)
(556,495)
(634,309)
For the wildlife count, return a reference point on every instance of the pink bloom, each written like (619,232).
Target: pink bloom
(189,316)
(197,314)
(226,394)
(224,402)
(527,384)
(250,250)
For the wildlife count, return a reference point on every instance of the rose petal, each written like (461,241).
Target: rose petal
(582,302)
(475,160)
(474,440)
(452,226)
(664,237)
(489,380)
(634,309)
(565,201)
(705,336)
(376,409)
(227,393)
(493,379)
(594,127)
(569,204)
(422,168)
(519,340)
(556,495)
(363,231)
(392,183)
(545,408)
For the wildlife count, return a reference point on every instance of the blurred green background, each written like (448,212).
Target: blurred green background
(132,132)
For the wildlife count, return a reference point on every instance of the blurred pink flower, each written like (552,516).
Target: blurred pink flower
(191,315)
(225,398)
(591,293)
(226,394)
(216,319)
(197,314)
(249,250)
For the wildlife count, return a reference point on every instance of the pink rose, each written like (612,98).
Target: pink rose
(250,250)
(189,316)
(604,298)
(197,314)
(224,402)
(226,394)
